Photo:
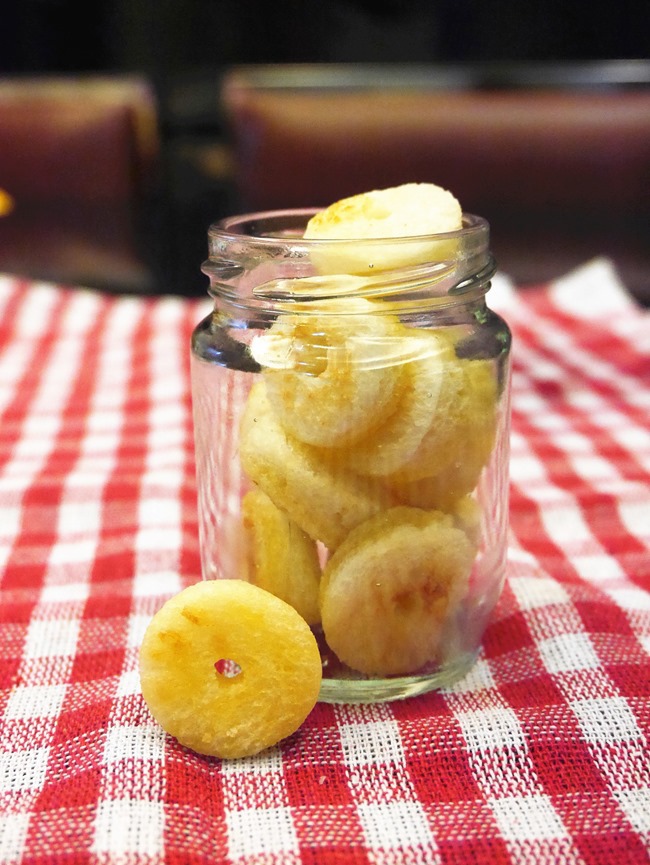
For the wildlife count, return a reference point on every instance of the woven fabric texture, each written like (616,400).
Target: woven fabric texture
(540,755)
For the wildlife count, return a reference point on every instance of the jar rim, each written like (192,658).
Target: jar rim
(263,258)
(243,226)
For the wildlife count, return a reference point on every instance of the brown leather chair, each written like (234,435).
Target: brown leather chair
(559,166)
(80,157)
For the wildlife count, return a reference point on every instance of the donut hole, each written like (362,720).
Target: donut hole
(227,668)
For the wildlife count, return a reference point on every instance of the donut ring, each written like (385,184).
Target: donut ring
(412,210)
(393,444)
(461,436)
(229,669)
(389,590)
(443,491)
(282,558)
(331,384)
(325,499)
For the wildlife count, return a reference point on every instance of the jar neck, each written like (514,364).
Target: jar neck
(261,265)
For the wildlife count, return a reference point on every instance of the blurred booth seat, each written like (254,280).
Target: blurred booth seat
(556,158)
(80,158)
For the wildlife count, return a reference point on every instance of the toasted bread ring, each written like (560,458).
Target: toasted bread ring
(459,440)
(412,210)
(283,559)
(388,591)
(332,383)
(326,500)
(391,445)
(192,645)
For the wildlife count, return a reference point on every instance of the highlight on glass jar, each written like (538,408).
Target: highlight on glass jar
(351,413)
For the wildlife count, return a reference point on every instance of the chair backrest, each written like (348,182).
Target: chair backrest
(559,166)
(80,158)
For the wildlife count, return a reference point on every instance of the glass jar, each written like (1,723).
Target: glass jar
(351,413)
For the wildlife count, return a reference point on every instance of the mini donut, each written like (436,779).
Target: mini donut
(282,558)
(228,669)
(444,491)
(389,590)
(326,500)
(393,444)
(461,436)
(412,210)
(330,382)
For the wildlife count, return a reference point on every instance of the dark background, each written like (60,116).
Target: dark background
(183,47)
(164,37)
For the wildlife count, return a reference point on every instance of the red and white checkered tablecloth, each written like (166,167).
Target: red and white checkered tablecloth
(540,755)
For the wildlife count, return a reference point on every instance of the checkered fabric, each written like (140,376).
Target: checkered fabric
(540,755)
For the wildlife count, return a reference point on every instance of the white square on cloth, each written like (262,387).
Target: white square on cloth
(23,770)
(478,678)
(574,443)
(159,512)
(65,592)
(157,539)
(599,281)
(137,625)
(397,825)
(260,764)
(568,652)
(485,729)
(79,518)
(51,638)
(372,742)
(10,517)
(155,583)
(630,598)
(129,684)
(35,701)
(565,525)
(597,568)
(535,592)
(129,742)
(38,435)
(13,831)
(594,468)
(606,720)
(527,818)
(255,832)
(636,806)
(524,469)
(124,826)
(635,517)
(104,424)
(79,551)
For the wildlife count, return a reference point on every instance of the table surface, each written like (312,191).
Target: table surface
(539,755)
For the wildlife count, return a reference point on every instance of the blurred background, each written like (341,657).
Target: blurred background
(189,69)
(163,37)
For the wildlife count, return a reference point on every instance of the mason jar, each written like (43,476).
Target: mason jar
(351,416)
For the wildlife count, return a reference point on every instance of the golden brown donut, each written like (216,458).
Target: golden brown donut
(388,591)
(228,669)
(324,499)
(282,558)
